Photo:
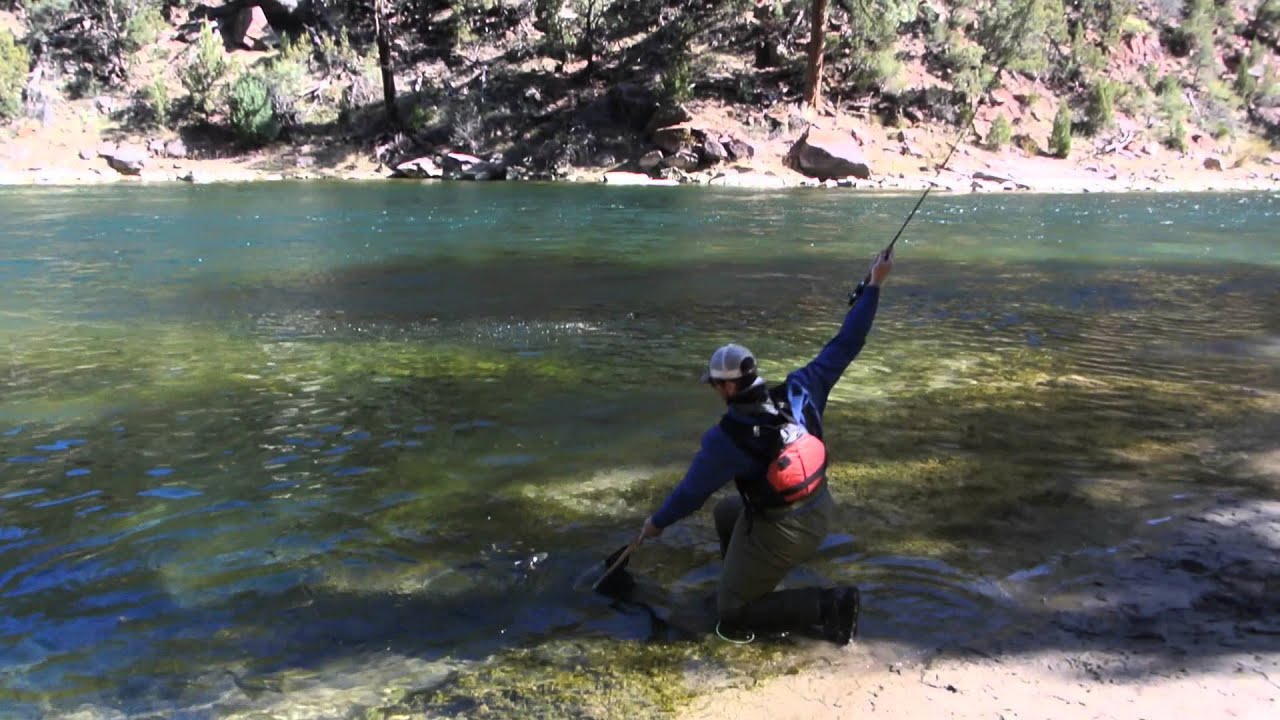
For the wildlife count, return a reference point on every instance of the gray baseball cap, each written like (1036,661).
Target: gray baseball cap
(729,362)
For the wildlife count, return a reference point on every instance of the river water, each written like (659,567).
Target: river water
(307,450)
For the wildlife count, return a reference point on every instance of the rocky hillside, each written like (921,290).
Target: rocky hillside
(536,88)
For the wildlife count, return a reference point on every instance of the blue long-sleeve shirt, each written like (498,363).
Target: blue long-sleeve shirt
(720,460)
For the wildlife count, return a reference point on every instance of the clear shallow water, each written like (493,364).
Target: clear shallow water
(268,446)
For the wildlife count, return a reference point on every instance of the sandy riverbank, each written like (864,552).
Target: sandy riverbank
(1011,179)
(1183,623)
(984,172)
(73,152)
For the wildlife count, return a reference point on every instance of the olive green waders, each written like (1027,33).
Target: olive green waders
(758,551)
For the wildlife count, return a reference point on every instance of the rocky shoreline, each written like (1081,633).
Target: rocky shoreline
(1030,179)
(623,129)
(852,158)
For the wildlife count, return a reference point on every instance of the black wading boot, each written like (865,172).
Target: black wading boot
(800,610)
(780,611)
(840,608)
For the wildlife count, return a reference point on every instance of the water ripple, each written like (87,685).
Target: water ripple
(316,446)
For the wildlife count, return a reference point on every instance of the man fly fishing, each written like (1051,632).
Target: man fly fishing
(769,442)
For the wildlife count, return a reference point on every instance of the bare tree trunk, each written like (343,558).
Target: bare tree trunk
(817,48)
(384,62)
(589,37)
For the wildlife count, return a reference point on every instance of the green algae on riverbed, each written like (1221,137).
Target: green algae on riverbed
(340,453)
(995,463)
(597,679)
(966,445)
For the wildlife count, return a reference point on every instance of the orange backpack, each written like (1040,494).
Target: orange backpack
(796,460)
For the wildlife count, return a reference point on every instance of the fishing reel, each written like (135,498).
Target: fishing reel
(857,292)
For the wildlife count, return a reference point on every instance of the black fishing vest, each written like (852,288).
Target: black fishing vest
(795,459)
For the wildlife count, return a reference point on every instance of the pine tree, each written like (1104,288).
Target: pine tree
(1000,133)
(1060,140)
(1102,114)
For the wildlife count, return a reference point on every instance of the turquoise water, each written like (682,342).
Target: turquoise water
(305,445)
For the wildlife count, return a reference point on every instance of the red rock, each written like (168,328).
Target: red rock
(826,154)
(251,30)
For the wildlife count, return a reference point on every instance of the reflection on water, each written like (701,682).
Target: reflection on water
(318,447)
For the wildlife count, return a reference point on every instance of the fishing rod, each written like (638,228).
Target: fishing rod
(862,286)
(619,558)
(973,115)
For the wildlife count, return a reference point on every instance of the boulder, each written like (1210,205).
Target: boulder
(737,149)
(991,177)
(712,152)
(483,171)
(1213,163)
(1266,117)
(824,154)
(418,168)
(280,14)
(127,159)
(666,116)
(252,31)
(676,174)
(176,149)
(683,160)
(650,160)
(457,164)
(674,138)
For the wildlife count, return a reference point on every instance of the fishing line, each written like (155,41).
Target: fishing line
(973,115)
(750,637)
